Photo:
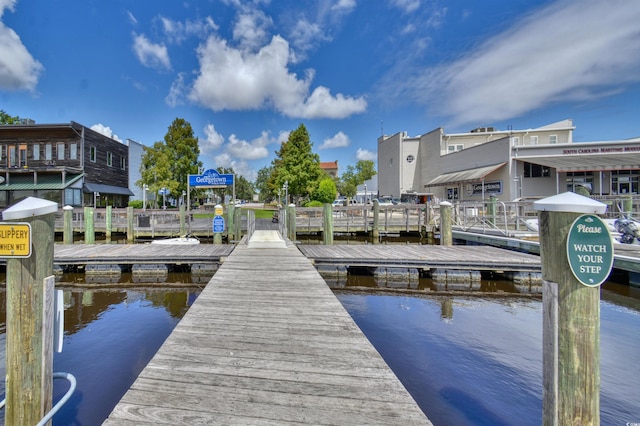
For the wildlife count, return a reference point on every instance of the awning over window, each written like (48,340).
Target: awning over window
(105,189)
(627,160)
(45,182)
(470,175)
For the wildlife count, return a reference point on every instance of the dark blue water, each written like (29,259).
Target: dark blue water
(478,361)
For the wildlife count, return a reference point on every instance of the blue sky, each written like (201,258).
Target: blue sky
(245,73)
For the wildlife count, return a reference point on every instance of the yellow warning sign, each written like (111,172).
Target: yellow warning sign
(15,239)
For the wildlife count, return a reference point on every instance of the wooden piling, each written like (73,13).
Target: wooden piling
(108,221)
(67,235)
(237,220)
(571,326)
(183,227)
(291,222)
(327,224)
(130,228)
(446,233)
(89,226)
(29,345)
(375,232)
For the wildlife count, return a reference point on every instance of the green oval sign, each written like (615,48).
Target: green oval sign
(590,250)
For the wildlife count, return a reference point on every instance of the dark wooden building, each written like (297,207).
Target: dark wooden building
(66,163)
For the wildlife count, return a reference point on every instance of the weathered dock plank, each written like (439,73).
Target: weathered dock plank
(423,256)
(267,343)
(139,253)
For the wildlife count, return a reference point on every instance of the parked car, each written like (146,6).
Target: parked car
(383,202)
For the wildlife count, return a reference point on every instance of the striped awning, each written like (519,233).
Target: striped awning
(469,175)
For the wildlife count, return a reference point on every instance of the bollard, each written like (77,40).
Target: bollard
(67,235)
(327,224)
(89,227)
(29,345)
(446,236)
(571,307)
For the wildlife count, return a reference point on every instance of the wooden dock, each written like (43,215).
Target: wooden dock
(76,254)
(425,257)
(267,343)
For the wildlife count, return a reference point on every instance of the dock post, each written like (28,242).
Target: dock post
(67,234)
(108,220)
(446,236)
(130,224)
(571,306)
(29,345)
(89,226)
(375,232)
(491,209)
(231,229)
(327,224)
(291,222)
(627,204)
(237,220)
(183,228)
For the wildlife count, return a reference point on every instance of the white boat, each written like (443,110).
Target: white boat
(177,240)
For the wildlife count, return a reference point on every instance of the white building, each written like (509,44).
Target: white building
(509,164)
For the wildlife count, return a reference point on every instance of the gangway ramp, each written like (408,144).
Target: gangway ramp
(267,342)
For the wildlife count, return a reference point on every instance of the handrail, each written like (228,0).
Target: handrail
(63,400)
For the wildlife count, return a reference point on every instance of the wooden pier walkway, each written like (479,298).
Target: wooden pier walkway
(424,257)
(267,343)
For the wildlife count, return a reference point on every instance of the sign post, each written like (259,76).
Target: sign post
(577,255)
(30,300)
(218,224)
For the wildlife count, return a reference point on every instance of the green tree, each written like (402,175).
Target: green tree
(183,152)
(244,188)
(7,119)
(167,164)
(326,191)
(297,165)
(354,176)
(262,183)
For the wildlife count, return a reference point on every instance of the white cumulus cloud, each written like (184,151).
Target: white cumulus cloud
(339,140)
(105,130)
(253,150)
(213,140)
(151,55)
(233,79)
(18,68)
(365,154)
(568,51)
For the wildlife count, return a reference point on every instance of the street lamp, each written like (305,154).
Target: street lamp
(95,199)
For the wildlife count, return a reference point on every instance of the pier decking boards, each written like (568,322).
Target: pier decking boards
(139,253)
(423,256)
(267,342)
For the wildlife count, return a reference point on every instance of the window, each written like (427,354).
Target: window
(534,140)
(410,159)
(36,151)
(579,179)
(515,140)
(553,138)
(454,148)
(47,152)
(92,154)
(535,170)
(60,151)
(109,159)
(13,161)
(625,181)
(123,163)
(22,155)
(73,151)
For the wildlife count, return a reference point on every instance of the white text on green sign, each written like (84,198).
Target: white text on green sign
(590,250)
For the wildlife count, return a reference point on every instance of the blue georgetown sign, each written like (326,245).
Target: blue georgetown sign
(211,179)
